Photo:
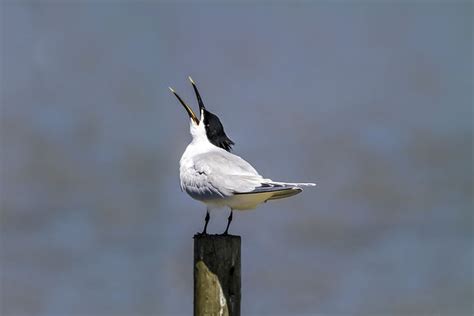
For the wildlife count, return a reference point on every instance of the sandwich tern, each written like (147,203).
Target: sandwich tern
(210,173)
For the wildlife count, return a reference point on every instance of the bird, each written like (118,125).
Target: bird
(211,174)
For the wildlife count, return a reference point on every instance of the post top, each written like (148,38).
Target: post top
(215,236)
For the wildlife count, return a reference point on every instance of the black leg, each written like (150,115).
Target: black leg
(206,219)
(229,219)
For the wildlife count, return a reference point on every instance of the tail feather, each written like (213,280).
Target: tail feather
(308,184)
(272,192)
(285,193)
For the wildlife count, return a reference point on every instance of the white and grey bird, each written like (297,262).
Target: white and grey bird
(211,174)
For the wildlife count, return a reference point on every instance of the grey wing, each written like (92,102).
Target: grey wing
(223,162)
(223,174)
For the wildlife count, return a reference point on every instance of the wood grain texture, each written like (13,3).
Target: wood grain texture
(217,275)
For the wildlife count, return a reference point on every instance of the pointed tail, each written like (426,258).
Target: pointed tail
(277,183)
(285,193)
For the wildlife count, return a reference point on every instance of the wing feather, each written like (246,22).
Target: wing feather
(218,174)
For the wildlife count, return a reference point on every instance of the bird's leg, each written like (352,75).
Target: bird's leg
(229,219)
(206,219)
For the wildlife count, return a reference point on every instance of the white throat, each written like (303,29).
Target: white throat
(198,131)
(199,144)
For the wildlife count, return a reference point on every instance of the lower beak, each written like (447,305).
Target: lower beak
(186,107)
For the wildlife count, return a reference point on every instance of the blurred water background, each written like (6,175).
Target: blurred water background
(371,100)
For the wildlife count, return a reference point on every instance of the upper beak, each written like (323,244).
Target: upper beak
(186,107)
(198,96)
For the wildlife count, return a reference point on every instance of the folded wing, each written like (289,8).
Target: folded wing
(219,174)
(224,174)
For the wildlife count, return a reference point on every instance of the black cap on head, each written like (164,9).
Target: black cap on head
(214,129)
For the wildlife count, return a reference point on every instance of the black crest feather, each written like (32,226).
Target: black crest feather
(215,131)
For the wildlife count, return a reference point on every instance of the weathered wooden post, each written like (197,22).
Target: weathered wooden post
(216,275)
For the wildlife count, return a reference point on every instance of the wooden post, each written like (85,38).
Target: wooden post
(216,275)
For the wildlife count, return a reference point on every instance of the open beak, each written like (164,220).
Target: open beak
(198,96)
(186,107)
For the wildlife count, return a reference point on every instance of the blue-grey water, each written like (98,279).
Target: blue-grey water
(373,101)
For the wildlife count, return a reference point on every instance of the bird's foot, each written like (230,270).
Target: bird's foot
(203,233)
(229,220)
